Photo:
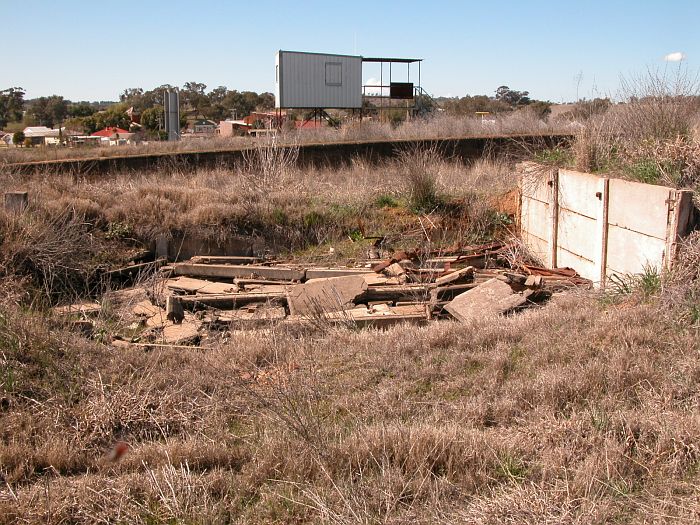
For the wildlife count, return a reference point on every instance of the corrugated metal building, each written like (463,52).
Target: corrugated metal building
(317,80)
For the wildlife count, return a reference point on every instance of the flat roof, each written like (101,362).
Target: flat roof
(387,59)
(315,53)
(364,59)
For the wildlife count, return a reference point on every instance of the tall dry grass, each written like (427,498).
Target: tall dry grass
(271,198)
(587,418)
(651,136)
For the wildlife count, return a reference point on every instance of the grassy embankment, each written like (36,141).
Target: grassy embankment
(439,126)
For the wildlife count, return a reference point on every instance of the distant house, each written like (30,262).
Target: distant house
(43,135)
(5,139)
(232,128)
(204,126)
(111,136)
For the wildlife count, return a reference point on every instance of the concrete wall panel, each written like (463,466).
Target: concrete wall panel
(577,192)
(538,247)
(577,233)
(639,207)
(585,267)
(602,227)
(630,251)
(535,218)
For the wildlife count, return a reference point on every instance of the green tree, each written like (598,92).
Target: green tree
(80,110)
(113,117)
(152,118)
(18,138)
(512,97)
(193,95)
(11,105)
(49,111)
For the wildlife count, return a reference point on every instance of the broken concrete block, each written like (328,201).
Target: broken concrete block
(454,276)
(82,308)
(174,311)
(394,270)
(16,201)
(492,298)
(181,333)
(325,295)
(534,281)
(145,309)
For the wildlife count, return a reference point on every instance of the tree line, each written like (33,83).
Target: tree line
(218,104)
(505,99)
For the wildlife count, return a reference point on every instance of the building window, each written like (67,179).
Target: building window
(334,74)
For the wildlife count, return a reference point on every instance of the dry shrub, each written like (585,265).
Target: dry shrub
(420,168)
(57,252)
(681,285)
(268,167)
(649,136)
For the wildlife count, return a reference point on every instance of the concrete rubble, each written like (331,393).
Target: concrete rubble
(183,303)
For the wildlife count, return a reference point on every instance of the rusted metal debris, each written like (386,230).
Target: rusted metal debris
(188,301)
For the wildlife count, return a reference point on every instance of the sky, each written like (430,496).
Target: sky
(557,50)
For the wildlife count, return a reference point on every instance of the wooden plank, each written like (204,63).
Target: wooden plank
(136,269)
(224,259)
(231,271)
(454,276)
(600,254)
(554,225)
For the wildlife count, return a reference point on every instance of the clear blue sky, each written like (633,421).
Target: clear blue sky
(87,50)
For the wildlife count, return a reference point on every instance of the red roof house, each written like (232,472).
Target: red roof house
(110,132)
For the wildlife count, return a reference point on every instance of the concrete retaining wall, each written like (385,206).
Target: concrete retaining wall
(600,226)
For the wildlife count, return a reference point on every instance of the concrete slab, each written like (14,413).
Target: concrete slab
(325,295)
(490,299)
(191,285)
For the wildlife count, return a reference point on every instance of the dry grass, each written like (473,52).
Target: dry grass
(588,418)
(651,137)
(268,197)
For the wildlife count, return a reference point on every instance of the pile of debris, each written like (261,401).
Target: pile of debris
(185,301)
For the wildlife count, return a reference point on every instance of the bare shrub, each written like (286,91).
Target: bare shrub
(420,168)
(56,251)
(649,136)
